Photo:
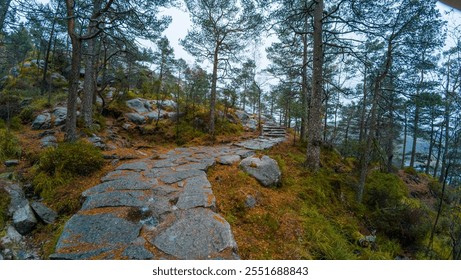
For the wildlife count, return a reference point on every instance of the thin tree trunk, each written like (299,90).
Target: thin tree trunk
(447,127)
(364,107)
(304,92)
(431,147)
(44,87)
(439,211)
(314,137)
(447,140)
(244,95)
(325,119)
(439,152)
(260,128)
(416,120)
(367,152)
(214,81)
(415,136)
(405,132)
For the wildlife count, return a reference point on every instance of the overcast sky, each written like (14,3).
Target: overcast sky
(181,23)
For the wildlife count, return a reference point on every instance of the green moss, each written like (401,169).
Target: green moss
(384,190)
(4,202)
(325,239)
(79,158)
(58,166)
(9,145)
(411,171)
(225,127)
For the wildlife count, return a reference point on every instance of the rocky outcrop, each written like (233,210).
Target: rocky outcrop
(264,169)
(150,110)
(47,120)
(136,118)
(49,141)
(59,114)
(97,141)
(42,121)
(44,213)
(24,219)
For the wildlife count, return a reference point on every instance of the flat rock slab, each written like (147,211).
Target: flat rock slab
(135,166)
(166,163)
(137,252)
(228,159)
(164,190)
(197,193)
(181,175)
(122,175)
(203,164)
(115,199)
(118,185)
(197,234)
(99,229)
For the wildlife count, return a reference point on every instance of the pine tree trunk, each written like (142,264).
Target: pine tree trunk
(415,136)
(89,86)
(364,107)
(304,93)
(214,81)
(447,141)
(439,153)
(431,147)
(367,152)
(314,137)
(44,86)
(71,119)
(405,132)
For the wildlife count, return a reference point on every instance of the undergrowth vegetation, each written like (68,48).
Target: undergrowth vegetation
(9,145)
(316,216)
(57,167)
(4,202)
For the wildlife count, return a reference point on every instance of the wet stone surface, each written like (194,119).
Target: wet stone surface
(159,208)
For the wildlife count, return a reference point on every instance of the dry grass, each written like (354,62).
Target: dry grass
(259,230)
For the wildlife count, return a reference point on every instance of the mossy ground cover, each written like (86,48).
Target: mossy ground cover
(315,215)
(4,202)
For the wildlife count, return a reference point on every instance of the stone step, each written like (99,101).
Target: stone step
(275,135)
(274,130)
(273,126)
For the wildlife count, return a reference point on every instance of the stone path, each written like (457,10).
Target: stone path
(161,208)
